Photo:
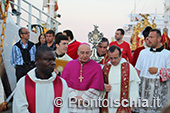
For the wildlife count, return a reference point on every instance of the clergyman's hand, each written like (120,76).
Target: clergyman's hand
(79,99)
(153,70)
(107,87)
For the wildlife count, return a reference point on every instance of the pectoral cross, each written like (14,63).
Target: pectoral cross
(81,70)
(81,78)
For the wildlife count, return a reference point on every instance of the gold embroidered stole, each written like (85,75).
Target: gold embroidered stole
(106,70)
(124,94)
(105,60)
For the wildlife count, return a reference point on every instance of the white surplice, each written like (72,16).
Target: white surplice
(115,82)
(44,95)
(150,86)
(65,57)
(149,59)
(86,95)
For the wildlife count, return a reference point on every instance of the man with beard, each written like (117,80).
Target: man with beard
(153,66)
(50,36)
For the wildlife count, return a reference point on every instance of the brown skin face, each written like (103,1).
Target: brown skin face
(45,64)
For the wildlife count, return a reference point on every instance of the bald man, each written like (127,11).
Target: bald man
(85,80)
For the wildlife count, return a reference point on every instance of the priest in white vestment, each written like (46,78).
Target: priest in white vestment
(153,65)
(119,75)
(36,92)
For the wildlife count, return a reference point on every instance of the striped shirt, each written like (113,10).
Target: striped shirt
(16,56)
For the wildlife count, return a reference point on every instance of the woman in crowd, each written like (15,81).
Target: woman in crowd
(41,40)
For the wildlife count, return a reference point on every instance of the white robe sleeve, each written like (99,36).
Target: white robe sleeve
(134,84)
(91,94)
(20,104)
(87,95)
(165,72)
(72,93)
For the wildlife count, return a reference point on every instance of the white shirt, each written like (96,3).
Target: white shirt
(149,59)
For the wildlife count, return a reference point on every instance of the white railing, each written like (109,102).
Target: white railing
(28,16)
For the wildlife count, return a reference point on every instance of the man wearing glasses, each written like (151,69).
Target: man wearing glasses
(23,54)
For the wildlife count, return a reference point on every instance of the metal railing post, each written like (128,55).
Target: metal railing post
(49,22)
(19,10)
(29,17)
(40,18)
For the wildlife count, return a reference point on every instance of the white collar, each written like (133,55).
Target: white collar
(72,41)
(33,77)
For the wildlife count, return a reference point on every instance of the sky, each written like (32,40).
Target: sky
(80,15)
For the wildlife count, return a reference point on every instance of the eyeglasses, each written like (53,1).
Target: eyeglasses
(26,33)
